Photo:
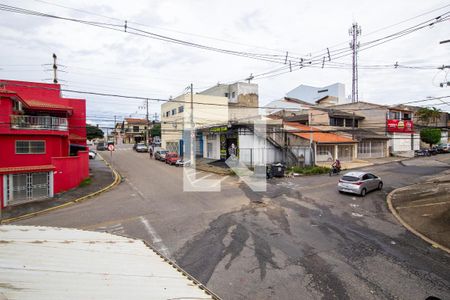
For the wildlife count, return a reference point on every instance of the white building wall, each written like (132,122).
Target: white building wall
(254,149)
(214,140)
(311,94)
(444,137)
(401,142)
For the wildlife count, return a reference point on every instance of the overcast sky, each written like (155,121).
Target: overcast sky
(100,60)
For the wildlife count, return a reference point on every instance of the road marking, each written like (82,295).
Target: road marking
(202,178)
(113,229)
(357,215)
(156,239)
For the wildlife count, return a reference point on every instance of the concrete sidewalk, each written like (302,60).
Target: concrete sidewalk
(100,174)
(424,209)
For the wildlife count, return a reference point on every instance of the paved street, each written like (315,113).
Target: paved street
(301,239)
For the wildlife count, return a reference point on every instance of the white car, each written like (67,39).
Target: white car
(92,154)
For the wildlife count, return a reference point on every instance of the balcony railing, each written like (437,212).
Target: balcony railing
(39,123)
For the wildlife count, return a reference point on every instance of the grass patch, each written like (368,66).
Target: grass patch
(85,182)
(310,170)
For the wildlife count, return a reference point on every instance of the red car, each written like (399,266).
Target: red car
(171,158)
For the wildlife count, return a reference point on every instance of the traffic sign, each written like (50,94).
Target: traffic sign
(111,147)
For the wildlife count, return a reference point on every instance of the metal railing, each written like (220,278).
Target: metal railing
(39,122)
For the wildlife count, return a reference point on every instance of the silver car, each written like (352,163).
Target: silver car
(359,183)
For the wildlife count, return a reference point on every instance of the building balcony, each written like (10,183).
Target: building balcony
(39,123)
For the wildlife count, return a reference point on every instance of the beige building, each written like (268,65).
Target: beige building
(175,118)
(242,98)
(134,130)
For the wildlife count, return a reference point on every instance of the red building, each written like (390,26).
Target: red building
(42,142)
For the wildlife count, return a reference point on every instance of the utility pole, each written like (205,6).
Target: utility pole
(115,131)
(354,32)
(148,123)
(353,127)
(55,68)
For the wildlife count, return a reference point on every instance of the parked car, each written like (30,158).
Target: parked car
(443,148)
(160,154)
(171,158)
(92,154)
(359,183)
(141,147)
(101,146)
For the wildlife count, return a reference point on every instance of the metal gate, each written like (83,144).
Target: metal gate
(27,187)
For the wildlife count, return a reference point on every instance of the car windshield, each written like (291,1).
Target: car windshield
(350,178)
(163,152)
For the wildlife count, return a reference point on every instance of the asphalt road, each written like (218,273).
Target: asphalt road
(299,240)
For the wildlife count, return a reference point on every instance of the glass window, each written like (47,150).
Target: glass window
(337,122)
(180,109)
(233,94)
(135,128)
(30,147)
(350,178)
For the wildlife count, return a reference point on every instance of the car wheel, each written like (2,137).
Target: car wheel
(363,192)
(380,185)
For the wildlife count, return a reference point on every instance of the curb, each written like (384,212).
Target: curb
(117,180)
(434,244)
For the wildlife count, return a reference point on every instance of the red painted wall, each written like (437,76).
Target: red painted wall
(49,92)
(70,171)
(5,112)
(77,122)
(55,146)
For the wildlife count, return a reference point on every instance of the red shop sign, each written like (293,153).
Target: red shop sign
(399,126)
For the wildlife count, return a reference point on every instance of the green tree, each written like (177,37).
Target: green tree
(156,130)
(93,132)
(430,136)
(428,115)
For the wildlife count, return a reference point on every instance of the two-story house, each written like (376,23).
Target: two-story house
(42,142)
(134,130)
(393,122)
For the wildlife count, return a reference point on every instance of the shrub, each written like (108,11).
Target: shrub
(310,170)
(86,182)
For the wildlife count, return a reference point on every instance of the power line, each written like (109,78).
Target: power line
(121,96)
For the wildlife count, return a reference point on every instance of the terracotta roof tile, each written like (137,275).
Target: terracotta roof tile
(44,104)
(136,121)
(317,136)
(73,136)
